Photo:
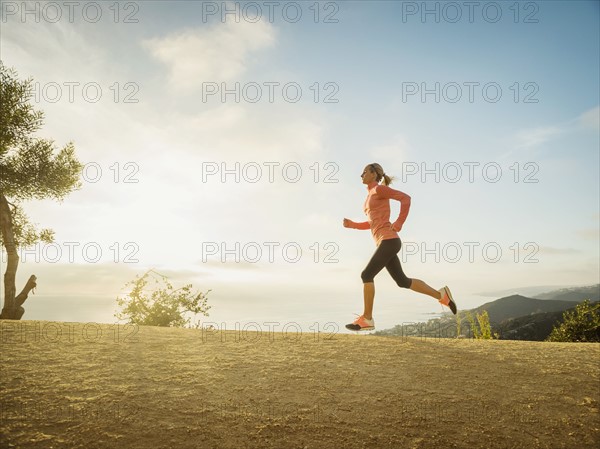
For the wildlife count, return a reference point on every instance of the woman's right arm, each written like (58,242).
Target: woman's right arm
(354,225)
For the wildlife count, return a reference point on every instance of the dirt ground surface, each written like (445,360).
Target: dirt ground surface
(76,385)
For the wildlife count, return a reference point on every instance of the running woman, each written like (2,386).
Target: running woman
(385,234)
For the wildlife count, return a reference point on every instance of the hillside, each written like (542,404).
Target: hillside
(514,317)
(70,385)
(535,327)
(516,306)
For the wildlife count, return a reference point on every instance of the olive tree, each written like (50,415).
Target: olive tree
(30,168)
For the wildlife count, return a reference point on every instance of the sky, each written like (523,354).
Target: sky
(223,144)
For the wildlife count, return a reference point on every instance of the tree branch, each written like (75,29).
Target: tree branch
(30,285)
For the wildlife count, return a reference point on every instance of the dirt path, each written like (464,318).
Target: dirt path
(103,386)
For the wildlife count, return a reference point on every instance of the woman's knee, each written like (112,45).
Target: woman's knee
(366,276)
(404,282)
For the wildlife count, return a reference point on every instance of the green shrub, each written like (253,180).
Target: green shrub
(581,325)
(163,306)
(484,330)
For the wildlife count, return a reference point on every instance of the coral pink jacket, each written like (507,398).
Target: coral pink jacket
(377,210)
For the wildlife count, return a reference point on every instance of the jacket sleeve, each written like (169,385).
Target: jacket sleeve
(362,225)
(389,193)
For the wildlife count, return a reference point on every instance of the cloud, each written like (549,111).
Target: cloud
(589,234)
(229,264)
(27,46)
(590,118)
(530,138)
(218,53)
(551,250)
(534,137)
(260,135)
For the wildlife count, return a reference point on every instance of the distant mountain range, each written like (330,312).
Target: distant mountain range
(514,317)
(577,294)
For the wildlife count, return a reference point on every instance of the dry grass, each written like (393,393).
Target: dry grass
(104,386)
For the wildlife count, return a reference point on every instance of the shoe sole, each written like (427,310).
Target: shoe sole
(349,327)
(447,290)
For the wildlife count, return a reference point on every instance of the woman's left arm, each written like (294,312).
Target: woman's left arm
(389,193)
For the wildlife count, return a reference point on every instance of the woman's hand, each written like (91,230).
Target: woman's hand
(347,223)
(395,227)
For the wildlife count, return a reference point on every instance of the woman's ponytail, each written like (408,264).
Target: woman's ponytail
(387,180)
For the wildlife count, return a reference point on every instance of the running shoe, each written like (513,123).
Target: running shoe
(446,299)
(361,324)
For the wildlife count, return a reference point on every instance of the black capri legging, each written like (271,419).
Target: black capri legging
(386,255)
